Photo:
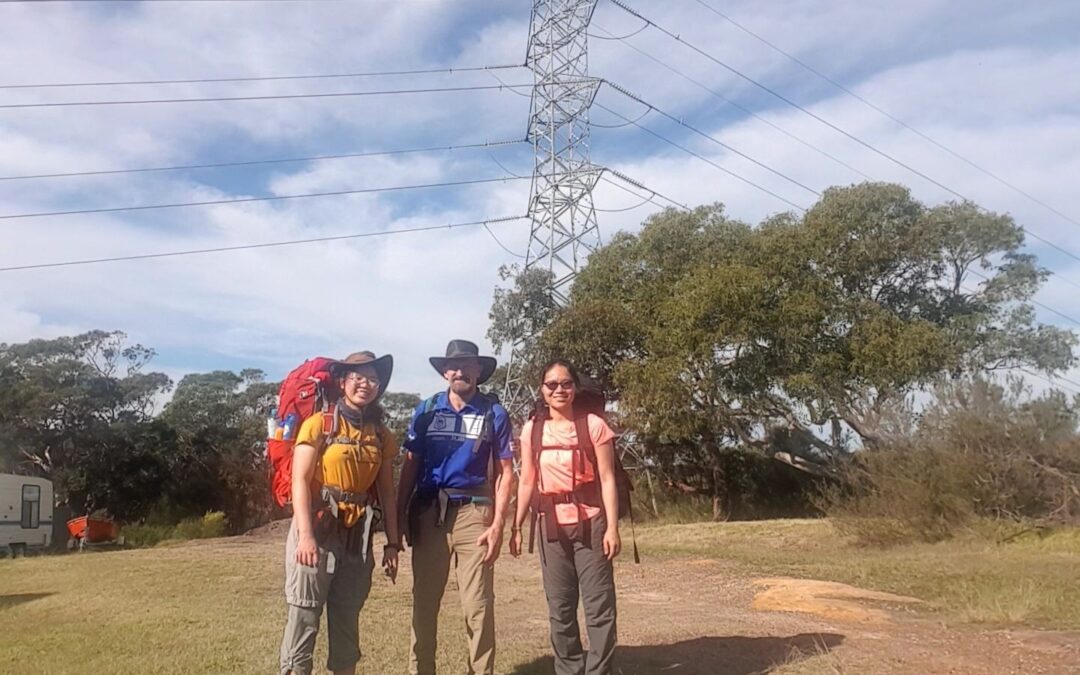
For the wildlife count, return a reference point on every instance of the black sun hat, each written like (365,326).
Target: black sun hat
(463,349)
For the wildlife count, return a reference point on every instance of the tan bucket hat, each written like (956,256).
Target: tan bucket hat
(383,365)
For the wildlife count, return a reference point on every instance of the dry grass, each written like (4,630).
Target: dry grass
(1033,579)
(215,606)
(212,608)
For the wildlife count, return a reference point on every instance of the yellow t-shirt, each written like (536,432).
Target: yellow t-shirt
(350,460)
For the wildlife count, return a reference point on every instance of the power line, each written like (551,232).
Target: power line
(713,139)
(643,202)
(888,115)
(610,36)
(1054,380)
(240,200)
(264,78)
(374,153)
(623,177)
(291,242)
(701,157)
(272,97)
(501,245)
(620,4)
(734,104)
(1032,300)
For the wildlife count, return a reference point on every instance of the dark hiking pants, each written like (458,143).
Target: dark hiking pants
(573,567)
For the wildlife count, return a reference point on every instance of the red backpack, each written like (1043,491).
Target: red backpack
(307,390)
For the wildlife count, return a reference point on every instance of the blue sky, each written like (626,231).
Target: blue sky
(994,80)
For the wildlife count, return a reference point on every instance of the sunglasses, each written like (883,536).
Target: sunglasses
(565,384)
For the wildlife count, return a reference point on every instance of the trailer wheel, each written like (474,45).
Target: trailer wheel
(18,550)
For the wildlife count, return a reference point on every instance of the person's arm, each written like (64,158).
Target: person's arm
(385,487)
(609,493)
(504,483)
(303,470)
(410,470)
(526,488)
(406,483)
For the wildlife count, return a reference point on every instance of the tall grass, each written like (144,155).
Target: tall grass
(143,535)
(980,452)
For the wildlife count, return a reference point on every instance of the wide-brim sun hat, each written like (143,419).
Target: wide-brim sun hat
(383,365)
(463,349)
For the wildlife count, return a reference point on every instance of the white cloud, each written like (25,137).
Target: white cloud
(1004,98)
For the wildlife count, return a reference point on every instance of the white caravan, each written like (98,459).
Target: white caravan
(26,513)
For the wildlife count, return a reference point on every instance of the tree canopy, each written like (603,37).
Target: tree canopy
(801,332)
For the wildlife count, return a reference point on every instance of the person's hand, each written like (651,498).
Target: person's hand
(390,561)
(612,543)
(307,552)
(515,542)
(492,539)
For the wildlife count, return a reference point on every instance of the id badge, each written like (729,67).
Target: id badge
(331,562)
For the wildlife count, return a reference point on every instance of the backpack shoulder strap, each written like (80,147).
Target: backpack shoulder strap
(537,437)
(487,434)
(330,426)
(584,438)
(426,413)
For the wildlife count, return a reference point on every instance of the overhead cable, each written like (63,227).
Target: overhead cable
(740,107)
(264,78)
(242,200)
(271,97)
(702,158)
(284,160)
(241,247)
(622,5)
(885,113)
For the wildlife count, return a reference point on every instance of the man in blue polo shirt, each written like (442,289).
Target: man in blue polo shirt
(456,484)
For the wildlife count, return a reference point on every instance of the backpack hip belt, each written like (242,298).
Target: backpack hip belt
(587,494)
(334,496)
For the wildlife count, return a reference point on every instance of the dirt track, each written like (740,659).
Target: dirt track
(698,617)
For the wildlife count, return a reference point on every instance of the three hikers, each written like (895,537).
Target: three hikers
(451,504)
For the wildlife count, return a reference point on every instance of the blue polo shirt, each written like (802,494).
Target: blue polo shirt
(453,452)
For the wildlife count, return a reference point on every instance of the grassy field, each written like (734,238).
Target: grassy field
(215,606)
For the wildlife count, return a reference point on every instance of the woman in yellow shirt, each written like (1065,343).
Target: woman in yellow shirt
(338,461)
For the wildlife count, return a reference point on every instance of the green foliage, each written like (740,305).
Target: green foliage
(65,402)
(220,418)
(399,408)
(800,334)
(979,451)
(146,534)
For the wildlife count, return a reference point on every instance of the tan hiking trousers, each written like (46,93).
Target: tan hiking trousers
(434,550)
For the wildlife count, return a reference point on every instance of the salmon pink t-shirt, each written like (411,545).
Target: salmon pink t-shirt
(559,462)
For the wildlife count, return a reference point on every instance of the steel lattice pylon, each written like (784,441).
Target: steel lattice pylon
(563,222)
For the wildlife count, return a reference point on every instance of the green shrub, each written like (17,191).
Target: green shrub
(980,452)
(142,535)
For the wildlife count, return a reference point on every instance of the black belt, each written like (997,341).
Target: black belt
(447,497)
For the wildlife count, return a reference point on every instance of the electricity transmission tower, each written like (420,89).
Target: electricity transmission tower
(563,222)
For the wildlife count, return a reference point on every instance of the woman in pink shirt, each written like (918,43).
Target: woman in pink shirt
(574,493)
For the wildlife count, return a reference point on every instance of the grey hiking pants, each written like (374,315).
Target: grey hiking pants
(341,583)
(573,567)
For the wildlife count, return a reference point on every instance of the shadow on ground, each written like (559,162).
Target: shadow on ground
(733,655)
(8,601)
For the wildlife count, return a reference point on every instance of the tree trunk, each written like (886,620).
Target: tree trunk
(652,493)
(720,511)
